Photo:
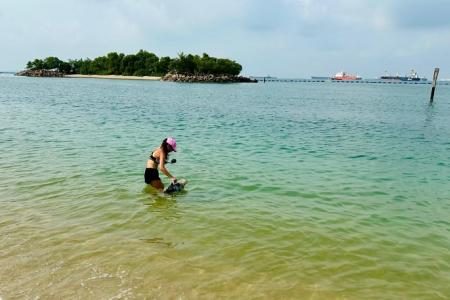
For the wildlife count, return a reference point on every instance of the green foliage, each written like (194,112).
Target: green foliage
(127,66)
(35,64)
(75,66)
(163,65)
(184,64)
(113,61)
(194,64)
(49,63)
(143,63)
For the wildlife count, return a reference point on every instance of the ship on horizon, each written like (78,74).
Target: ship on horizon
(411,77)
(345,76)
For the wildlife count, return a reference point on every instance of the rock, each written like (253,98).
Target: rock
(41,73)
(206,78)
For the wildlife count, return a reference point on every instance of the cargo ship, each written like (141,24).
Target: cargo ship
(411,77)
(345,76)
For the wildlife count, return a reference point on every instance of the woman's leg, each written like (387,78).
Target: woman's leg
(157,184)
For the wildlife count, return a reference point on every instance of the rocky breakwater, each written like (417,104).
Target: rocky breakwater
(206,78)
(40,73)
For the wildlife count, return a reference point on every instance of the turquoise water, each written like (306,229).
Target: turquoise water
(296,191)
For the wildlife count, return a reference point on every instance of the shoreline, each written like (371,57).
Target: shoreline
(198,78)
(119,77)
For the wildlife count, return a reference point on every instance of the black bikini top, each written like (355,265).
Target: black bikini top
(156,160)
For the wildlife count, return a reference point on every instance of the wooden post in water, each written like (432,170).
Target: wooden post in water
(435,76)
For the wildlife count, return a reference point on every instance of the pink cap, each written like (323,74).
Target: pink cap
(171,141)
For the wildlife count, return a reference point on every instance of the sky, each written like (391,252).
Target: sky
(282,38)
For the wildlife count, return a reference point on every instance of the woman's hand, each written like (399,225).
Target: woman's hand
(173,179)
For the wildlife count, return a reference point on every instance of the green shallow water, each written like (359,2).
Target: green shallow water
(296,191)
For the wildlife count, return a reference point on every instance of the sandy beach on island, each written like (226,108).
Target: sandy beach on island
(114,77)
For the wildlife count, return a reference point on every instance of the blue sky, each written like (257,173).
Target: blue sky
(284,38)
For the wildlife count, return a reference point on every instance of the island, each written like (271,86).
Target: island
(142,65)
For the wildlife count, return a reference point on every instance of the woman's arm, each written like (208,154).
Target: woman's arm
(162,166)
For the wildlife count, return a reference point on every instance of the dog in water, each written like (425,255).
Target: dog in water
(176,187)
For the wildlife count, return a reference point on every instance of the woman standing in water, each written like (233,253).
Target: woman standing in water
(158,159)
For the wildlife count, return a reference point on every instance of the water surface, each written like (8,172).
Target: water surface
(297,190)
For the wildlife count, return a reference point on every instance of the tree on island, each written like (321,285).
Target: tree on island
(50,63)
(143,63)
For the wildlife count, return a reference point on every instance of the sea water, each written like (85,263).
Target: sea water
(296,191)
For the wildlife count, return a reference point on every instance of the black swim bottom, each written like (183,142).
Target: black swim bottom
(150,175)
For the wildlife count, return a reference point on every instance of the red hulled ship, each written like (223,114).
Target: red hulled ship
(345,76)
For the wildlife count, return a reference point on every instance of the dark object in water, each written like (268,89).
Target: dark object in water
(176,187)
